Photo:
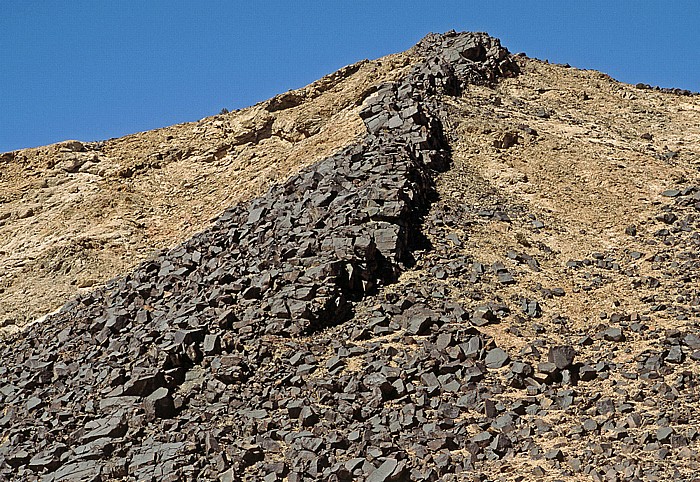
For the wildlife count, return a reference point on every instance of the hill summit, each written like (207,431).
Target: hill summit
(468,265)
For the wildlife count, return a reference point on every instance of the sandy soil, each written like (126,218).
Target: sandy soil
(73,215)
(590,171)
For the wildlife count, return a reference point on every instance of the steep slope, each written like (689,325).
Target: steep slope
(72,215)
(497,280)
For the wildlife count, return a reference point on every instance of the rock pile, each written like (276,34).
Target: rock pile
(343,327)
(180,369)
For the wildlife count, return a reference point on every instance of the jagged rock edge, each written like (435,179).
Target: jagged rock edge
(369,229)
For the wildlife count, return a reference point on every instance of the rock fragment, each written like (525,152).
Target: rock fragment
(562,356)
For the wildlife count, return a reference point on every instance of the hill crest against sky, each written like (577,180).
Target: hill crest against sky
(448,263)
(97,70)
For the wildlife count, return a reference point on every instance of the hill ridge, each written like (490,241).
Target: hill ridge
(494,279)
(182,304)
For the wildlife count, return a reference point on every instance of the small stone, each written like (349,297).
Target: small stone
(455,239)
(663,434)
(143,383)
(212,345)
(675,354)
(482,438)
(521,368)
(531,308)
(308,417)
(430,381)
(575,464)
(587,373)
(687,453)
(547,367)
(18,458)
(613,334)
(496,358)
(562,356)
(605,406)
(554,454)
(294,408)
(160,403)
(500,444)
(419,324)
(590,425)
(33,403)
(634,420)
(483,315)
(252,454)
(384,471)
(354,463)
(334,363)
(505,278)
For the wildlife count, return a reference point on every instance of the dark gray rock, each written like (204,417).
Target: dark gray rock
(496,358)
(143,382)
(308,417)
(671,193)
(384,471)
(613,334)
(484,315)
(587,373)
(160,403)
(663,434)
(506,278)
(212,345)
(562,356)
(531,308)
(420,321)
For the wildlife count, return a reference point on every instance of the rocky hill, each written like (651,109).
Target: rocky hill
(74,214)
(468,265)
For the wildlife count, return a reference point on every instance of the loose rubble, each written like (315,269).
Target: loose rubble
(287,341)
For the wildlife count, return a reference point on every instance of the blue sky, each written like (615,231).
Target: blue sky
(96,69)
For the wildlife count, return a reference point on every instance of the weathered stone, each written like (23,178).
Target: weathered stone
(143,383)
(160,403)
(212,345)
(419,323)
(613,334)
(663,434)
(308,417)
(483,315)
(531,308)
(108,427)
(587,373)
(562,356)
(496,358)
(671,193)
(383,472)
(506,278)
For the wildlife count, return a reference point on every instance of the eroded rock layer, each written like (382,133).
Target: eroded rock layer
(140,374)
(498,281)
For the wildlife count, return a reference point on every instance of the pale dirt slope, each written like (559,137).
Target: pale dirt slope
(74,215)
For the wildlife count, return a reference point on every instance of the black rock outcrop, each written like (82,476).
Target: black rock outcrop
(201,364)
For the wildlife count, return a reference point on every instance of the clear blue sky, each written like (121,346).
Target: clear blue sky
(97,69)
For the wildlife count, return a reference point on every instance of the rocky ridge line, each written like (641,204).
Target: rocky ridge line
(136,379)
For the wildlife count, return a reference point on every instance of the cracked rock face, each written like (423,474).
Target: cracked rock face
(350,324)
